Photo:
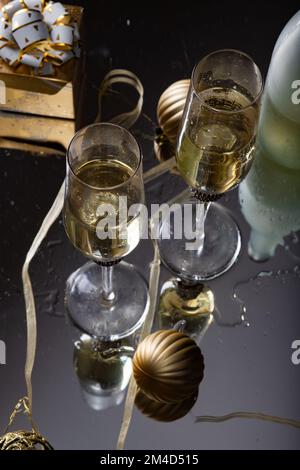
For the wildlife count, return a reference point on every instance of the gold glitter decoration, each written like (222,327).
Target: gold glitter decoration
(22,439)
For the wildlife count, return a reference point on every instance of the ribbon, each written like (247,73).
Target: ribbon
(40,35)
(248,415)
(21,406)
(50,218)
(146,329)
(122,76)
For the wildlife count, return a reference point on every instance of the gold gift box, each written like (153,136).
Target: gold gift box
(33,103)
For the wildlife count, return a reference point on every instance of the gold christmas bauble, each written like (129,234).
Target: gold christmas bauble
(24,440)
(168,366)
(170,108)
(165,412)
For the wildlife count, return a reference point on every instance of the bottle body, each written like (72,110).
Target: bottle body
(270,194)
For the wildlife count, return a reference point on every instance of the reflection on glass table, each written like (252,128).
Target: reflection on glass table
(192,305)
(165,412)
(103,370)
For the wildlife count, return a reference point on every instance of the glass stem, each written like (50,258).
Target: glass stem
(107,285)
(200,225)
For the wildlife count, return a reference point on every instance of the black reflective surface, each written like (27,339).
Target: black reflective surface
(246,367)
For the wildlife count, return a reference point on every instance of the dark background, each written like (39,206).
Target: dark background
(246,368)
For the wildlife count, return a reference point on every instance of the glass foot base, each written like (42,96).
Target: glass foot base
(107,320)
(222,244)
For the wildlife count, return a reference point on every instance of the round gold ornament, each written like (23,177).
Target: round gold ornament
(165,412)
(168,366)
(24,440)
(170,108)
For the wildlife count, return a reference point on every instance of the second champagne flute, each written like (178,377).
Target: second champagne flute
(106,298)
(215,149)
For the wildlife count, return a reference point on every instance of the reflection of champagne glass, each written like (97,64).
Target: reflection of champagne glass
(215,149)
(192,306)
(104,163)
(103,370)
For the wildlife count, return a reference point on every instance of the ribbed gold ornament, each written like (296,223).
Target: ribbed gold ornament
(165,412)
(168,366)
(170,108)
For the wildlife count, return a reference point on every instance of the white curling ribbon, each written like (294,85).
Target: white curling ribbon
(12,7)
(30,34)
(54,12)
(32,60)
(32,27)
(62,35)
(24,17)
(60,57)
(10,55)
(3,43)
(5,30)
(47,69)
(34,4)
(66,56)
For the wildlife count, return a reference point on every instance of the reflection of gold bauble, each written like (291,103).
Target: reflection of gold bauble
(164,411)
(168,366)
(24,440)
(170,108)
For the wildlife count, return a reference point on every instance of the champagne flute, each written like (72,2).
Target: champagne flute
(215,149)
(106,298)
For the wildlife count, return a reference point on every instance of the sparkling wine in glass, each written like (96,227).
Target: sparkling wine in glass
(215,150)
(106,298)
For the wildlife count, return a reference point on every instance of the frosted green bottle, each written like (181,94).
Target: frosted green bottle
(270,195)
